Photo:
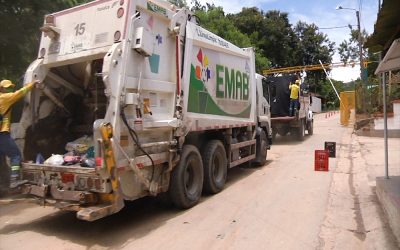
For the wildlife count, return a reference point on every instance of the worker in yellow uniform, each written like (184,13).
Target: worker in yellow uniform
(8,146)
(294,97)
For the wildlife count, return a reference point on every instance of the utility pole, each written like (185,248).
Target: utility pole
(363,84)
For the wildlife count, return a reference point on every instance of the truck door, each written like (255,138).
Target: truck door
(266,94)
(263,98)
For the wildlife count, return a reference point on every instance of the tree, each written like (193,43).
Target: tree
(349,50)
(250,21)
(329,94)
(367,90)
(213,19)
(178,3)
(283,44)
(270,32)
(311,47)
(280,40)
(20,35)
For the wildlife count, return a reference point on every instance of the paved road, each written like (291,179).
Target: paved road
(282,205)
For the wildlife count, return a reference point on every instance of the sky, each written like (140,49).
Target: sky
(322,13)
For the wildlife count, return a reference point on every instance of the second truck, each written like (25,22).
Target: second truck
(282,122)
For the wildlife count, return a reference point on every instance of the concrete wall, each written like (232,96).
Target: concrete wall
(388,191)
(393,123)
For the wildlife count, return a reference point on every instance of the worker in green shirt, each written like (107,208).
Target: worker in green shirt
(294,97)
(8,147)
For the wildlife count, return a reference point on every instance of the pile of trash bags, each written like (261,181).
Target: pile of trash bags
(79,153)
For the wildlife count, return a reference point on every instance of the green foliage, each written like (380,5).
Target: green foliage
(262,62)
(20,35)
(215,21)
(312,46)
(329,94)
(271,32)
(349,50)
(369,92)
(284,45)
(179,3)
(373,60)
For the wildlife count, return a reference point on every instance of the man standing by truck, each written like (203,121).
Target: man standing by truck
(294,97)
(8,146)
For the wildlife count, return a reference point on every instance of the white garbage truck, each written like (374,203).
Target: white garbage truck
(162,105)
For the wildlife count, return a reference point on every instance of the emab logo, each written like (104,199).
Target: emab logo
(231,83)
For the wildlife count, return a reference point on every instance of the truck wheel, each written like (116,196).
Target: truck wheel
(215,167)
(261,149)
(187,178)
(300,133)
(310,128)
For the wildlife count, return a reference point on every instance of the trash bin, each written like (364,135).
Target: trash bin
(331,147)
(321,160)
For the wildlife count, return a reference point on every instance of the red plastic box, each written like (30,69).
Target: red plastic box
(321,160)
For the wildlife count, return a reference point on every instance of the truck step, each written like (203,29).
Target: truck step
(243,144)
(242,160)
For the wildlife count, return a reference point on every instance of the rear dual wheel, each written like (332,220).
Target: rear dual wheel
(310,127)
(299,132)
(187,178)
(215,166)
(190,175)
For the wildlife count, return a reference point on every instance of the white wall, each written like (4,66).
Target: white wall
(316,104)
(392,122)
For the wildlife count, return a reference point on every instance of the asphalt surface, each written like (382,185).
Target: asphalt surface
(283,205)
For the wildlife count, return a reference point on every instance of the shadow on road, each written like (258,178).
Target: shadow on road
(288,140)
(136,220)
(238,173)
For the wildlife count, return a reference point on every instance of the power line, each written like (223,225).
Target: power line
(336,27)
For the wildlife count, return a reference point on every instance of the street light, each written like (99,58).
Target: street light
(359,50)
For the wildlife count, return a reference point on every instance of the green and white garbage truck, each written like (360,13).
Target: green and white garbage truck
(170,107)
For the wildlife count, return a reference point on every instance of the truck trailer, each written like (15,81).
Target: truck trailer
(165,106)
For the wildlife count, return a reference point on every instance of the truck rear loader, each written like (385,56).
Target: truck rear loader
(168,105)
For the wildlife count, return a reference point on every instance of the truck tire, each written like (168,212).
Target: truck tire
(261,149)
(215,167)
(187,178)
(300,133)
(310,127)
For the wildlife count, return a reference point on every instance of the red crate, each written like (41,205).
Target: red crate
(321,160)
